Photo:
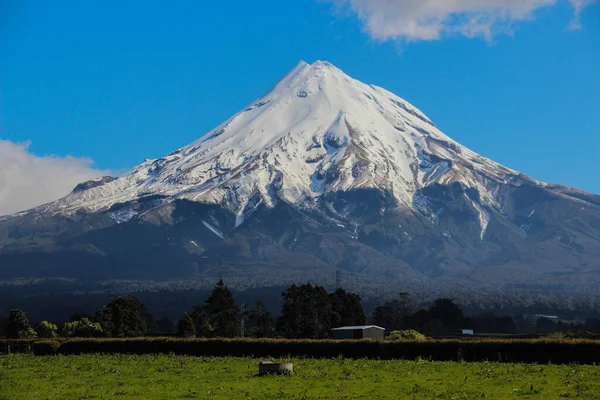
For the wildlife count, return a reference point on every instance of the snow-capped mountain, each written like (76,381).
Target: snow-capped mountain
(317,131)
(358,170)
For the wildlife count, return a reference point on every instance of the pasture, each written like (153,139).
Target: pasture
(93,376)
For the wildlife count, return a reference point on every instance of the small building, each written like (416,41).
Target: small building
(469,332)
(552,318)
(358,332)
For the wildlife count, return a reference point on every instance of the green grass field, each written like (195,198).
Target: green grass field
(182,377)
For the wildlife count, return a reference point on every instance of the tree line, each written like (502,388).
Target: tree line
(444,317)
(308,312)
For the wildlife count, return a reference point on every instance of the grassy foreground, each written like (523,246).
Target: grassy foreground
(183,377)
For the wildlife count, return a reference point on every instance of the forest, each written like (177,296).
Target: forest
(307,312)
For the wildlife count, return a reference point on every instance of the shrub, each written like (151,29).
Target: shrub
(28,333)
(558,336)
(82,328)
(514,350)
(46,348)
(46,330)
(410,334)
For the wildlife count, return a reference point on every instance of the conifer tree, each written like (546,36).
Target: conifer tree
(223,312)
(346,309)
(306,312)
(260,322)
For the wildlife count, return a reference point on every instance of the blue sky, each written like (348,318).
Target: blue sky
(117,83)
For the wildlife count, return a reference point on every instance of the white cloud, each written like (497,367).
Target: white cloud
(27,180)
(578,5)
(413,20)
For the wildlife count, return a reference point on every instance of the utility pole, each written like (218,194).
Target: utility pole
(338,279)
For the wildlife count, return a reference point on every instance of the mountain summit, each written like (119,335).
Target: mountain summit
(318,131)
(322,172)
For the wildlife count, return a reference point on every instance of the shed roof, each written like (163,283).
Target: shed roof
(359,327)
(546,316)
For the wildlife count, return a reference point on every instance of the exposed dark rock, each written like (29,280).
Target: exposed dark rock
(94,183)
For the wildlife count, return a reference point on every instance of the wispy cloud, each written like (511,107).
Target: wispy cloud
(413,20)
(27,180)
(579,5)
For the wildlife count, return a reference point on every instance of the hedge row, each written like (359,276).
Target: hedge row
(529,351)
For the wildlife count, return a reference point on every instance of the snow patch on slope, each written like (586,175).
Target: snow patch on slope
(483,216)
(124,216)
(213,229)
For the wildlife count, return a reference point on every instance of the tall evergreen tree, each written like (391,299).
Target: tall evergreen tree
(306,312)
(223,312)
(346,309)
(260,322)
(122,317)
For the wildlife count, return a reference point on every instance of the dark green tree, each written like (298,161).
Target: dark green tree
(524,324)
(185,327)
(83,327)
(444,316)
(18,326)
(201,321)
(261,323)
(46,330)
(223,312)
(394,314)
(306,312)
(122,317)
(490,323)
(346,309)
(151,325)
(450,314)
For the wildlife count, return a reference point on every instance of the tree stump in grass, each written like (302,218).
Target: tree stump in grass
(271,368)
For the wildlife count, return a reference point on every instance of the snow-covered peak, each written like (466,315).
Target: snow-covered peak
(316,131)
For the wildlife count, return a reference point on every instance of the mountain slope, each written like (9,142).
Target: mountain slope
(322,172)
